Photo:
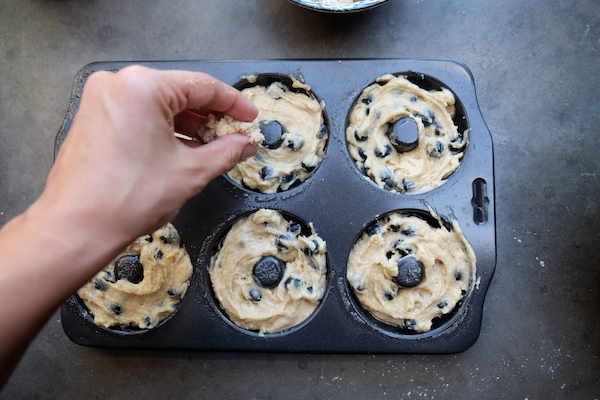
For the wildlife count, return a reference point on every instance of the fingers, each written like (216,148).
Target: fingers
(217,157)
(194,90)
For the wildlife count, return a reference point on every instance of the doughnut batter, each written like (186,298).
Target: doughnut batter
(301,288)
(447,259)
(302,144)
(116,301)
(216,127)
(438,151)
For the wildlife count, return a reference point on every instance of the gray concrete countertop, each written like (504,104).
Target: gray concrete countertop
(535,66)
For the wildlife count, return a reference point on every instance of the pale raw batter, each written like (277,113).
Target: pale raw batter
(303,142)
(215,127)
(440,145)
(119,303)
(448,263)
(296,296)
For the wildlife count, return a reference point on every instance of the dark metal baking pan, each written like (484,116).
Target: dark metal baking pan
(340,202)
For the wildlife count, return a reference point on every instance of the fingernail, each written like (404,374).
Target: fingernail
(249,151)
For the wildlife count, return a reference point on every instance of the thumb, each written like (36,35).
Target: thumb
(220,156)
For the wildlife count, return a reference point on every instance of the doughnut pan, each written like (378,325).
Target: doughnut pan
(340,202)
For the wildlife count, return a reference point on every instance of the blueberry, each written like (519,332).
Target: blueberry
(282,243)
(322,132)
(255,294)
(173,292)
(266,173)
(99,284)
(389,254)
(307,168)
(388,181)
(309,289)
(290,178)
(273,132)
(372,229)
(388,296)
(410,324)
(403,134)
(361,154)
(116,308)
(408,232)
(382,153)
(436,150)
(149,238)
(268,271)
(458,275)
(147,321)
(294,141)
(395,228)
(367,111)
(129,268)
(159,255)
(294,229)
(362,137)
(442,304)
(410,272)
(293,281)
(427,118)
(413,99)
(165,240)
(367,100)
(407,185)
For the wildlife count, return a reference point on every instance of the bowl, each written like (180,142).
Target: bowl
(330,6)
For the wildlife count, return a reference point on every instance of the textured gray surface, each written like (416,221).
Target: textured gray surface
(535,67)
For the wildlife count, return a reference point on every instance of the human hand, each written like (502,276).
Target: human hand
(121,170)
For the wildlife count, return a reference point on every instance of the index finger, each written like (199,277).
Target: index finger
(197,90)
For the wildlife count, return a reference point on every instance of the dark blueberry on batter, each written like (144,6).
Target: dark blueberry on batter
(367,100)
(147,321)
(255,294)
(294,229)
(293,281)
(149,238)
(159,255)
(291,177)
(99,285)
(427,119)
(361,137)
(410,272)
(129,268)
(389,254)
(407,185)
(410,323)
(266,173)
(404,134)
(367,111)
(311,250)
(437,150)
(116,308)
(382,153)
(388,182)
(322,132)
(442,304)
(307,168)
(408,232)
(458,275)
(166,240)
(372,229)
(268,271)
(395,228)
(273,133)
(361,154)
(309,289)
(172,292)
(388,296)
(413,99)
(282,243)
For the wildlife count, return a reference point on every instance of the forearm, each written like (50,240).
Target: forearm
(45,258)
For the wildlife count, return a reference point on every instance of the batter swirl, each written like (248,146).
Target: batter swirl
(441,270)
(142,285)
(404,168)
(296,150)
(267,275)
